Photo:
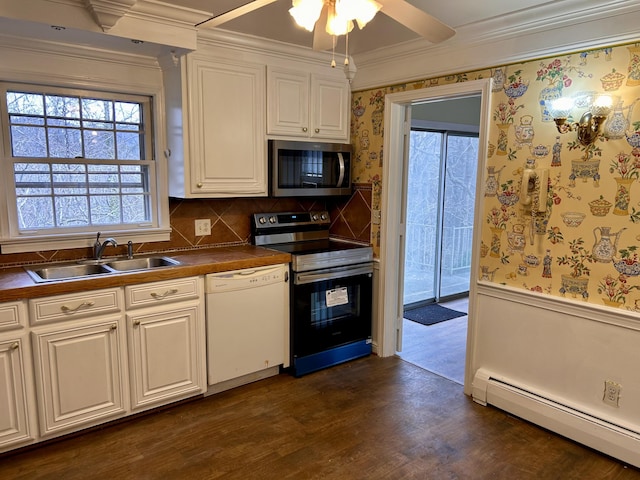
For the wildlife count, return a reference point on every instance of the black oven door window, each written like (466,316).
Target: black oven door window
(331,313)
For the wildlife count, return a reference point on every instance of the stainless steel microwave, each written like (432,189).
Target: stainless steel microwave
(309,169)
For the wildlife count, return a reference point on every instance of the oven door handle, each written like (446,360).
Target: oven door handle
(332,273)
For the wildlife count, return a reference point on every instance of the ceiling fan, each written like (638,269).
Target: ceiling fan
(401,11)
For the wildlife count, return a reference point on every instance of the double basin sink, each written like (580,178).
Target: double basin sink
(90,268)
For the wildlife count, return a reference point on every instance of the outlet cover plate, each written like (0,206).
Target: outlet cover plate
(203,227)
(611,393)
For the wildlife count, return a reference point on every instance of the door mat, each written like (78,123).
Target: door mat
(431,314)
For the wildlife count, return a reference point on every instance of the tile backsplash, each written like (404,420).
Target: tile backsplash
(230,224)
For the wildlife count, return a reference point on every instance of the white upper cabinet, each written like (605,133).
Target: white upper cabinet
(223,103)
(217,145)
(307,105)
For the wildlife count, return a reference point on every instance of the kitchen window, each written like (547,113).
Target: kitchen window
(80,162)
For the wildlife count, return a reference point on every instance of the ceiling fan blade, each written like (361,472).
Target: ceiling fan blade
(415,19)
(321,39)
(235,13)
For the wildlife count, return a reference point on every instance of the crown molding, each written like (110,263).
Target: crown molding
(554,28)
(244,44)
(106,23)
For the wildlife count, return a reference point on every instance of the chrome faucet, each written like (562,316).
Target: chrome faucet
(98,248)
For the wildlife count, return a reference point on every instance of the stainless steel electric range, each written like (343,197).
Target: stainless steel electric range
(331,288)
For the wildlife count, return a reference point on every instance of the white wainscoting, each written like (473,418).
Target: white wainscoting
(546,359)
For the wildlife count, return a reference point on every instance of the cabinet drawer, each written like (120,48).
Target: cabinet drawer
(157,293)
(75,305)
(12,315)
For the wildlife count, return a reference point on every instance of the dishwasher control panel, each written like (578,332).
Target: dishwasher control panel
(247,278)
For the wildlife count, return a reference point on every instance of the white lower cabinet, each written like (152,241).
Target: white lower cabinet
(166,352)
(94,361)
(80,368)
(167,349)
(16,414)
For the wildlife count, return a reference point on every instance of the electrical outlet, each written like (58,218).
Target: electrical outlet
(375,214)
(611,393)
(203,227)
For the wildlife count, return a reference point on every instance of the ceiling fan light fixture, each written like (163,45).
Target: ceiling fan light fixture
(362,11)
(306,12)
(341,14)
(337,23)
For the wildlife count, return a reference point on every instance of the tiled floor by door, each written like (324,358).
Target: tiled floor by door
(438,348)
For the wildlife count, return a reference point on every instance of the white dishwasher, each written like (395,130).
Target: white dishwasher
(247,325)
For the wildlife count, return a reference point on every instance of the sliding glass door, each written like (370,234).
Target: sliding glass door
(440,206)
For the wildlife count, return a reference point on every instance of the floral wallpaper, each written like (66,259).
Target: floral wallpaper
(574,229)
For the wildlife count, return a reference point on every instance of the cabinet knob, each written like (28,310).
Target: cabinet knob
(136,323)
(305,129)
(114,326)
(15,345)
(199,185)
(317,130)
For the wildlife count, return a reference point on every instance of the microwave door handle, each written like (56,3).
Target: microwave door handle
(341,172)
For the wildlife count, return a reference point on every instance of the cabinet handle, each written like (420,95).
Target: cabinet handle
(160,296)
(136,323)
(66,309)
(305,129)
(114,326)
(15,345)
(317,130)
(199,185)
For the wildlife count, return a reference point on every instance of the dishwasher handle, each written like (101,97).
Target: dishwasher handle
(245,279)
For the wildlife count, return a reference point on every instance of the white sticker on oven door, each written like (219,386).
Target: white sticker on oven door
(337,296)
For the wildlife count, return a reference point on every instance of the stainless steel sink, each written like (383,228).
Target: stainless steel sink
(145,263)
(82,269)
(48,273)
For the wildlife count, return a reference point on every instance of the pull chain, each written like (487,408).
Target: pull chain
(333,52)
(346,49)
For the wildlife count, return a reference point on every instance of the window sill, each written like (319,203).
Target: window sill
(60,242)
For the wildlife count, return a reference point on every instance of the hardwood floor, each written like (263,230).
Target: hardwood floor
(373,418)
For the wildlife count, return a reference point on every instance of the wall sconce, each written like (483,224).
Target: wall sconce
(588,128)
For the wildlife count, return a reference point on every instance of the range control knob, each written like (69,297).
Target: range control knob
(272,219)
(314,217)
(323,217)
(262,220)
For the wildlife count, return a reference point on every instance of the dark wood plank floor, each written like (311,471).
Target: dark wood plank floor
(371,418)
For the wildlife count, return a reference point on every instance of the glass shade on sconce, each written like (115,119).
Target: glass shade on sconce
(588,128)
(601,106)
(561,107)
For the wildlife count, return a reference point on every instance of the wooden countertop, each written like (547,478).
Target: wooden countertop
(16,284)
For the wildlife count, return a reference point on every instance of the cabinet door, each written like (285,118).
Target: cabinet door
(14,407)
(166,354)
(329,108)
(79,371)
(288,103)
(226,113)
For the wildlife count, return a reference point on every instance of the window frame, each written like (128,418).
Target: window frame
(158,229)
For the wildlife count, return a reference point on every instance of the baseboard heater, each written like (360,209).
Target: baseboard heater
(614,440)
